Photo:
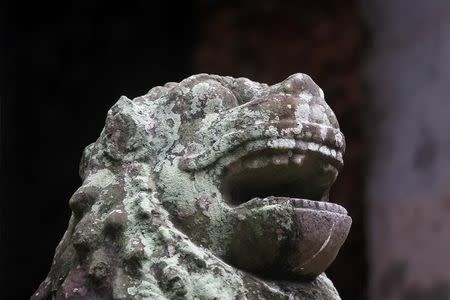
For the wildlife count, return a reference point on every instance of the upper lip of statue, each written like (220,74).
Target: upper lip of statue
(284,134)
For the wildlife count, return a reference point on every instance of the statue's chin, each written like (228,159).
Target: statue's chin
(287,238)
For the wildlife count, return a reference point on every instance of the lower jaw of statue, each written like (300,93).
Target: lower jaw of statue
(284,226)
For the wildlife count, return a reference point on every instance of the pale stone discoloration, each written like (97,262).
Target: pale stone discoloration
(152,219)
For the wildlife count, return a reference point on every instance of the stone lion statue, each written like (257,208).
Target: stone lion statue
(211,188)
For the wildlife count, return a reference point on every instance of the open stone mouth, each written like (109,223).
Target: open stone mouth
(301,178)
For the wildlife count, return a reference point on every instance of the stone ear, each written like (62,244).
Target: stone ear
(121,129)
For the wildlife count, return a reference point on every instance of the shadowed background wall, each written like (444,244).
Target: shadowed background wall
(67,64)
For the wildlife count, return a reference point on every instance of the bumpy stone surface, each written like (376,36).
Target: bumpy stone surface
(211,188)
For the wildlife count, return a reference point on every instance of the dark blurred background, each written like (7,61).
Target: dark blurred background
(382,65)
(67,64)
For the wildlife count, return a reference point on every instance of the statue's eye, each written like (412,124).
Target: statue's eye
(194,100)
(212,97)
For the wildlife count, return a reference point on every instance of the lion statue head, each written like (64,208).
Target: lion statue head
(211,188)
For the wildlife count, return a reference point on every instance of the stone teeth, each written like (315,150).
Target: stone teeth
(299,203)
(308,204)
(313,146)
(255,163)
(319,205)
(298,159)
(280,159)
(301,145)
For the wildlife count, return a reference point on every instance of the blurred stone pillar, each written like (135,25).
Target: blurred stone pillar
(408,76)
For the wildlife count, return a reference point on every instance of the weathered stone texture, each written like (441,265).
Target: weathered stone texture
(211,187)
